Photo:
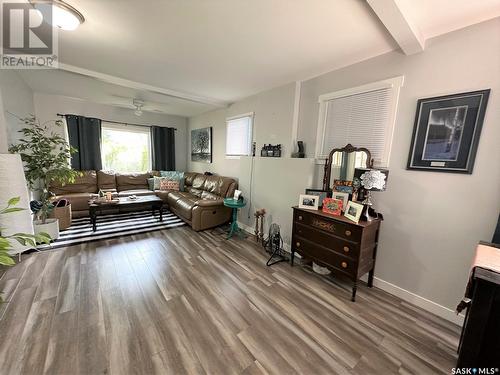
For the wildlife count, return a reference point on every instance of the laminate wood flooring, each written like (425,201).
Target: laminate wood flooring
(181,302)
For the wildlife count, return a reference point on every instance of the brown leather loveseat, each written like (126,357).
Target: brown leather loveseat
(200,204)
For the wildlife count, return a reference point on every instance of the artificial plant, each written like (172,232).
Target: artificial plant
(23,238)
(46,157)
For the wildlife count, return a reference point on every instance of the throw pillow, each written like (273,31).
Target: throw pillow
(151,183)
(175,175)
(167,184)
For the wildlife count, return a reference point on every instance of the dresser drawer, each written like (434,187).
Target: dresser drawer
(328,240)
(344,230)
(342,263)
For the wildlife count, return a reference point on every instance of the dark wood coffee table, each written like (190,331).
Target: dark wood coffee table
(100,208)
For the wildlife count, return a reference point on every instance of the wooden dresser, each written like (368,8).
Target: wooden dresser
(346,248)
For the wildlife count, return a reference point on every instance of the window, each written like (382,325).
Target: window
(125,148)
(239,135)
(363,116)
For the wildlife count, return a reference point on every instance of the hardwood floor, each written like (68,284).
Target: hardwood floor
(176,302)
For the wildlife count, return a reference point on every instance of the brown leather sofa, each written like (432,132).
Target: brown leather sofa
(200,204)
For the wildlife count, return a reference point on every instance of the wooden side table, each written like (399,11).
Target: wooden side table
(234,204)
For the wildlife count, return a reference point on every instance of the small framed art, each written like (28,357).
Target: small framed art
(332,206)
(353,211)
(322,194)
(343,186)
(308,201)
(343,196)
(446,132)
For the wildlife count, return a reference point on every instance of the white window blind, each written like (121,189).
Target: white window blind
(359,119)
(363,116)
(239,136)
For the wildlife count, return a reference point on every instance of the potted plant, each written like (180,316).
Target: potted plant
(23,238)
(46,157)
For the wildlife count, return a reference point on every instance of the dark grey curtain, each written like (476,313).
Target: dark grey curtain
(163,145)
(85,135)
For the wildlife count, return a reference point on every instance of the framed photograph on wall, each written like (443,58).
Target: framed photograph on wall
(308,201)
(446,132)
(322,194)
(201,145)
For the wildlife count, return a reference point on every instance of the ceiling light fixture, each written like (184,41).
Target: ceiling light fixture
(64,16)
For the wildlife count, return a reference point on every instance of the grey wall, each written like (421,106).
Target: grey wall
(47,106)
(433,221)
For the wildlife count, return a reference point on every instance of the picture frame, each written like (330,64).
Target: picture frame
(343,196)
(446,132)
(344,186)
(309,202)
(353,211)
(333,206)
(322,194)
(201,145)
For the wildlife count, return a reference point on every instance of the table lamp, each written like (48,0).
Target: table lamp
(371,179)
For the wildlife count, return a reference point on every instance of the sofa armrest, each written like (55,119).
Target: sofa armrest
(209,202)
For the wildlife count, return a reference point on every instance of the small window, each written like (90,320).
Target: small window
(362,116)
(239,135)
(125,148)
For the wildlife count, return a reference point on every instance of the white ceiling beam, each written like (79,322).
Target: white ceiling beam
(399,25)
(142,86)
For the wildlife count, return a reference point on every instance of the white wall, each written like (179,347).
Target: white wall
(17,102)
(433,221)
(47,106)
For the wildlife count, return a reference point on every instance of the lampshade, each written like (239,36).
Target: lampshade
(371,179)
(13,184)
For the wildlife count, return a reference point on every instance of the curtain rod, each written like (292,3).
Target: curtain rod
(117,122)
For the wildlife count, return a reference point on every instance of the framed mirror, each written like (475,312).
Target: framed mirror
(341,163)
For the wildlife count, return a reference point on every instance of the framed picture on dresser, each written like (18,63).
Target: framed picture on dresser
(353,211)
(322,194)
(309,202)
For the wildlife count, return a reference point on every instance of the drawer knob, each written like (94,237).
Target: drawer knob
(344,265)
(297,244)
(346,249)
(347,232)
(300,217)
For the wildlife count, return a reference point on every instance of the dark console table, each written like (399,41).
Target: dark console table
(346,248)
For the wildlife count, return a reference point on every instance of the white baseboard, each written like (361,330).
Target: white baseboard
(405,295)
(415,299)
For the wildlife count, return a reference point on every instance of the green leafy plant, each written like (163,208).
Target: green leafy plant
(23,238)
(46,156)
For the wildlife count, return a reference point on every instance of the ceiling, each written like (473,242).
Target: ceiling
(226,50)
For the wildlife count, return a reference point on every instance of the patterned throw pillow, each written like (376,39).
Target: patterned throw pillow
(174,175)
(167,184)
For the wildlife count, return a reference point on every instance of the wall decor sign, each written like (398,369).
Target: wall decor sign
(446,132)
(201,145)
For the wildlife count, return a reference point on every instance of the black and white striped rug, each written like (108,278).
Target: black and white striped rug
(113,225)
